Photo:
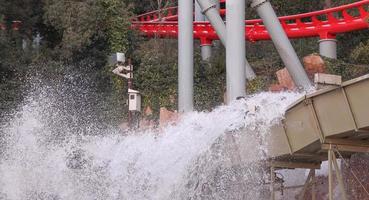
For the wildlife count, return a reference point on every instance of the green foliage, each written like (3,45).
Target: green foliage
(209,82)
(83,23)
(116,17)
(256,85)
(156,76)
(76,32)
(361,53)
(346,70)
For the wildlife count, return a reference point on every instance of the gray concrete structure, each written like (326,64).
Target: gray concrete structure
(185,56)
(235,49)
(211,12)
(328,48)
(282,43)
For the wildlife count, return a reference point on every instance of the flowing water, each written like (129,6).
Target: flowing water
(48,153)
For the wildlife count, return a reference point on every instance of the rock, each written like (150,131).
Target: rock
(313,64)
(147,124)
(148,111)
(285,79)
(167,117)
(276,88)
(285,82)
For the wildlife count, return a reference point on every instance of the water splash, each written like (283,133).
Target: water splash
(48,154)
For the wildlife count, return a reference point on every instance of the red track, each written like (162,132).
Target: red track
(324,24)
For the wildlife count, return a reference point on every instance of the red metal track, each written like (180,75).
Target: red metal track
(324,24)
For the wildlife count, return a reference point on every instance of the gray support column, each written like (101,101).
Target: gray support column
(199,17)
(217,3)
(330,175)
(235,49)
(272,180)
(328,48)
(249,72)
(211,12)
(185,56)
(206,52)
(282,43)
(205,48)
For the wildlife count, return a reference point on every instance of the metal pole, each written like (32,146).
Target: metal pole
(313,185)
(130,85)
(217,4)
(185,55)
(211,12)
(339,177)
(205,48)
(306,185)
(199,17)
(330,175)
(282,43)
(328,48)
(206,52)
(272,179)
(235,49)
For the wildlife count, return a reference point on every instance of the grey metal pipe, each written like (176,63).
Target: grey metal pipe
(249,72)
(328,48)
(211,12)
(199,17)
(235,49)
(217,4)
(282,43)
(206,52)
(185,56)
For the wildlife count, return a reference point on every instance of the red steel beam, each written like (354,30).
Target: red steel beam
(324,24)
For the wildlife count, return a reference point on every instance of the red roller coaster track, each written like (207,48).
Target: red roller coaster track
(324,24)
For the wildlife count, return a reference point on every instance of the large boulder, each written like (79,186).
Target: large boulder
(313,64)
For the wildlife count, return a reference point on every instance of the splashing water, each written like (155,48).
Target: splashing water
(45,155)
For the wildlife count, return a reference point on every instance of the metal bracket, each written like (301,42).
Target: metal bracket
(257,3)
(206,5)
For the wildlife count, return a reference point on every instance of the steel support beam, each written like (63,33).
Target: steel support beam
(199,17)
(330,175)
(328,48)
(205,48)
(185,55)
(235,49)
(313,186)
(272,180)
(206,52)
(210,9)
(282,43)
(308,182)
(339,177)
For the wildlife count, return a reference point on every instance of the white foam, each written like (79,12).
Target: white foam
(143,165)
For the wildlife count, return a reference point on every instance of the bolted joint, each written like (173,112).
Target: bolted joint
(258,3)
(206,5)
